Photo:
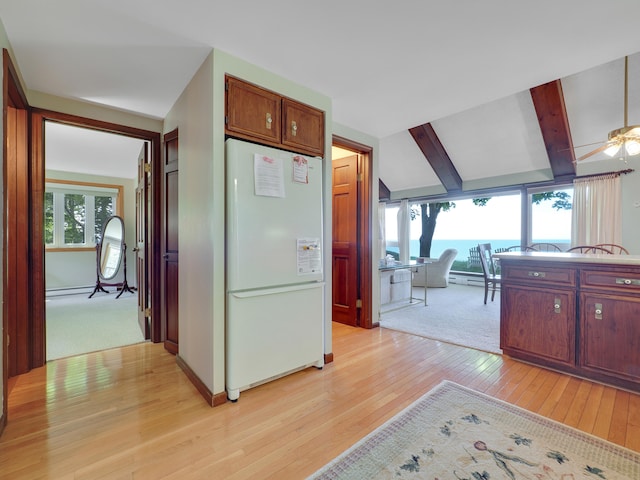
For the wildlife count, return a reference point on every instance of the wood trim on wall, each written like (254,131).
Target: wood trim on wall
(15,249)
(210,398)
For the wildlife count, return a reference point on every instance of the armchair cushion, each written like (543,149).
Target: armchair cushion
(437,271)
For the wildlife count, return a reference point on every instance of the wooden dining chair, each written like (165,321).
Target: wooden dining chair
(589,249)
(615,249)
(491,279)
(543,247)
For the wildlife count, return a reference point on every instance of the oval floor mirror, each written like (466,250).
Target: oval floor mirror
(110,256)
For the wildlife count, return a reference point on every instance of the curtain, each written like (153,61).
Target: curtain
(403,231)
(596,212)
(382,235)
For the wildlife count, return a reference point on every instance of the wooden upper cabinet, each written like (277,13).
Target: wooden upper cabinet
(256,114)
(303,127)
(253,112)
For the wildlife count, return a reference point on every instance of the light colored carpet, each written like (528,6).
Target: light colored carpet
(454,432)
(76,324)
(455,314)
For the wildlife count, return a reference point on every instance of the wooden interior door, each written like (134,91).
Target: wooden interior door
(142,247)
(16,243)
(345,240)
(170,242)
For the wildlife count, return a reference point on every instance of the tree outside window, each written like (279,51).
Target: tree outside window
(74,214)
(74,219)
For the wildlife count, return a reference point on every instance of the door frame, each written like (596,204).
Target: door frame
(365,224)
(39,116)
(12,96)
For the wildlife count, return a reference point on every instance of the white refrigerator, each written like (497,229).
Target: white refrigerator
(274,274)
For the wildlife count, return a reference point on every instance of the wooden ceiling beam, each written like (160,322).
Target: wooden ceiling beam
(426,138)
(548,101)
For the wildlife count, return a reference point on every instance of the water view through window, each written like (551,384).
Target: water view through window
(498,222)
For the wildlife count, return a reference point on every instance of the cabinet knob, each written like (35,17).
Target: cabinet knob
(537,274)
(268,121)
(557,304)
(294,128)
(598,311)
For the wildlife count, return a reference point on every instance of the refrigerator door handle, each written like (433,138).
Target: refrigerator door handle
(276,290)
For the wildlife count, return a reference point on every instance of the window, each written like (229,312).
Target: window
(75,212)
(550,216)
(466,224)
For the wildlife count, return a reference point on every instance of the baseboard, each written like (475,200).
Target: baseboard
(469,279)
(328,358)
(212,399)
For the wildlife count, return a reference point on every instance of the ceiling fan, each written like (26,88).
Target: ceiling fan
(627,136)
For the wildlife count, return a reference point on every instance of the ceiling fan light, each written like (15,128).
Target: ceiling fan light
(632,147)
(612,149)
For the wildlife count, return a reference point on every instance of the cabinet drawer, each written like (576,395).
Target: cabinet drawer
(539,275)
(622,281)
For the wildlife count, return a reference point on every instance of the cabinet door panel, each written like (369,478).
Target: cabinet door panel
(610,335)
(302,127)
(253,112)
(539,323)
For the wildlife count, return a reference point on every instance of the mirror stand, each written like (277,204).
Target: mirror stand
(124,286)
(100,284)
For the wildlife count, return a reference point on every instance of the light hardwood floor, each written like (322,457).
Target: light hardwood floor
(132,413)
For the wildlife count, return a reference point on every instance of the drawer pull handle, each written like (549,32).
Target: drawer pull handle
(556,305)
(627,281)
(268,121)
(537,274)
(598,312)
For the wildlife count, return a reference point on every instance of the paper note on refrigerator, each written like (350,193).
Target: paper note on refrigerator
(300,169)
(309,256)
(268,176)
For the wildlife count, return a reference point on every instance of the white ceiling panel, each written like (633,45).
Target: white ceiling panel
(405,166)
(498,138)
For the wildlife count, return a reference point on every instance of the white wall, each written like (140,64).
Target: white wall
(78,269)
(200,191)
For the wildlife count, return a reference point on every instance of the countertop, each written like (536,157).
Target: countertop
(595,258)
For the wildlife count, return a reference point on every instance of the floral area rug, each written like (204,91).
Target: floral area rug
(456,433)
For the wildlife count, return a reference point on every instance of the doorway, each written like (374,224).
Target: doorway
(352,233)
(33,342)
(90,176)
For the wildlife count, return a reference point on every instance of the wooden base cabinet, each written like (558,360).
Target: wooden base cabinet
(541,324)
(581,317)
(610,335)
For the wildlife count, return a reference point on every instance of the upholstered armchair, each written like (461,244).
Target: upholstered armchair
(437,271)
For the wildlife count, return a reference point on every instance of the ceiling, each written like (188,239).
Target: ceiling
(462,69)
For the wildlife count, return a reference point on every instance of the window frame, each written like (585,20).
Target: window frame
(87,188)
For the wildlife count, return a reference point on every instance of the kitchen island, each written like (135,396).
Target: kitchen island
(576,313)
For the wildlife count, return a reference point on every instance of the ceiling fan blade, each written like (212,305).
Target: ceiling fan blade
(601,148)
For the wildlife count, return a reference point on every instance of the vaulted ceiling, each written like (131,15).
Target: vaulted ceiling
(494,92)
(533,136)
